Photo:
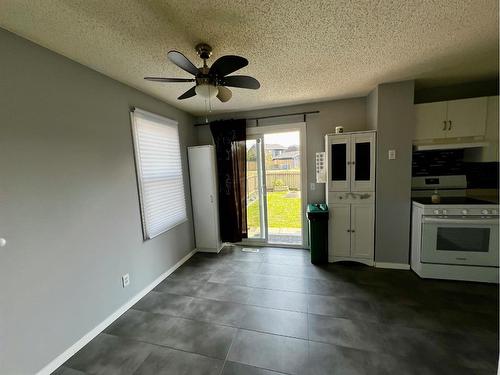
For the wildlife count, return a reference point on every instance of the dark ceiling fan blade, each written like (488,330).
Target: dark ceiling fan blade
(224,94)
(182,62)
(189,93)
(227,64)
(161,79)
(245,82)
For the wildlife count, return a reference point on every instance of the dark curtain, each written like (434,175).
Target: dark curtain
(230,147)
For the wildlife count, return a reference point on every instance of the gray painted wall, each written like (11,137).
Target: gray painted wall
(349,113)
(68,203)
(372,110)
(395,121)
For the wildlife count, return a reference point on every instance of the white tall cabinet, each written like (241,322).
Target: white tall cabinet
(203,177)
(350,194)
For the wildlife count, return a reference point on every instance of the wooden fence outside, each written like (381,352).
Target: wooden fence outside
(290,178)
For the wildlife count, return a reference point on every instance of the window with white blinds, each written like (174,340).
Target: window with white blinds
(159,172)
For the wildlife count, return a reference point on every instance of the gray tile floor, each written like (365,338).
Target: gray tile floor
(272,312)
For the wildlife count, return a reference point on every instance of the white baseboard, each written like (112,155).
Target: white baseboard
(59,360)
(394,266)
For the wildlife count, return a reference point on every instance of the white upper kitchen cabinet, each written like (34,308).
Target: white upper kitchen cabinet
(490,153)
(451,119)
(467,117)
(430,119)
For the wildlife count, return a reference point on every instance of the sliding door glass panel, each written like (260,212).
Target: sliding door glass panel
(283,187)
(363,162)
(255,212)
(339,162)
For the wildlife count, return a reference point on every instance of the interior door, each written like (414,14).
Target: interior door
(430,120)
(339,230)
(363,162)
(467,117)
(339,151)
(362,225)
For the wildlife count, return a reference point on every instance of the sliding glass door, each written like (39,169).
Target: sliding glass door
(275,186)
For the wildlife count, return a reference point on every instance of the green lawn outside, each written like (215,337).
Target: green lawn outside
(283,212)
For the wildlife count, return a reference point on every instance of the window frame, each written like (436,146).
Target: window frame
(139,173)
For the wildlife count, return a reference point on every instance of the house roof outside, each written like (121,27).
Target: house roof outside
(274,146)
(287,155)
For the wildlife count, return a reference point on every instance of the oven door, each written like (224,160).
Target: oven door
(471,241)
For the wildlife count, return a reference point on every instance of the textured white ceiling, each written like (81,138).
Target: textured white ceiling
(300,51)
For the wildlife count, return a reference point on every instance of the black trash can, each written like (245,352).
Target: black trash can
(318,232)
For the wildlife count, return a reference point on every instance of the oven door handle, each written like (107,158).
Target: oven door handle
(479,221)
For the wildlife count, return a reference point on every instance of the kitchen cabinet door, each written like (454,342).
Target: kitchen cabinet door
(362,230)
(490,153)
(363,162)
(339,241)
(339,152)
(430,121)
(467,117)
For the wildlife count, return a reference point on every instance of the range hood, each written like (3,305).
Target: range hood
(449,145)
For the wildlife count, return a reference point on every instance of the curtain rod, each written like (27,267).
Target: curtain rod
(272,116)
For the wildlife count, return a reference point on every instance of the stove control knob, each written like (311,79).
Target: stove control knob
(436,212)
(494,212)
(445,212)
(484,212)
(464,212)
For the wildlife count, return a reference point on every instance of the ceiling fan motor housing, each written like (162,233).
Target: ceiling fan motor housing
(203,50)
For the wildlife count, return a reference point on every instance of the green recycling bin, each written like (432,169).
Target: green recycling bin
(317,214)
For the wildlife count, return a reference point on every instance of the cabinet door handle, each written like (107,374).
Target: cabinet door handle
(352,231)
(444,125)
(348,230)
(449,127)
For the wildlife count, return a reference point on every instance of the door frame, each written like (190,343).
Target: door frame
(261,177)
(301,127)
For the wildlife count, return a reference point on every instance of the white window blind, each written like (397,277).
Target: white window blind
(159,172)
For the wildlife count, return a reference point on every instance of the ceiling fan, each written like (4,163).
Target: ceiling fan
(210,81)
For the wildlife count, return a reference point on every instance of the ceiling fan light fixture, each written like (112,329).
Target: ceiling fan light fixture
(206,90)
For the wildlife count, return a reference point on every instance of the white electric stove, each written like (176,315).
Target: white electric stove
(456,239)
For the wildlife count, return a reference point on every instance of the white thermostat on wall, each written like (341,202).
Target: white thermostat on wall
(320,168)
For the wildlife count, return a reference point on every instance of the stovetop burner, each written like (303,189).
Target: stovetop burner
(450,200)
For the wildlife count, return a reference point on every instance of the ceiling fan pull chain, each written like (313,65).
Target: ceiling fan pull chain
(209,103)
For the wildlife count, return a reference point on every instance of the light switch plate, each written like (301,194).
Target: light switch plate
(392,154)
(125,280)
(312,186)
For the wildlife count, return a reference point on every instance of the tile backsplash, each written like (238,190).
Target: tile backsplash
(438,163)
(482,175)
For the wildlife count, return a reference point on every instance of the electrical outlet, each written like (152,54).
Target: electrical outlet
(125,280)
(312,186)
(392,154)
